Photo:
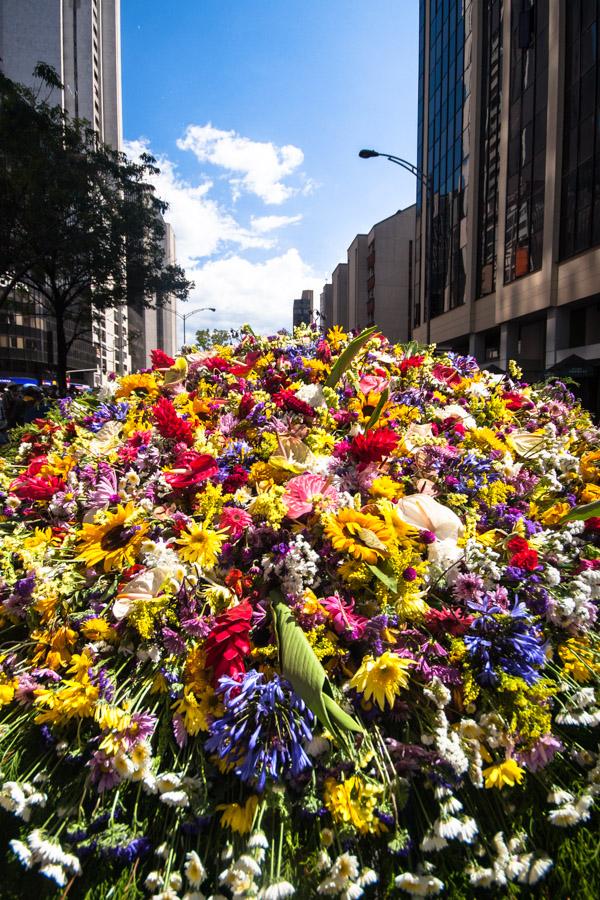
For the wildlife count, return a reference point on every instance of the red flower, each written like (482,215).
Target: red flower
(288,399)
(448,621)
(523,556)
(170,425)
(237,477)
(592,524)
(373,446)
(247,404)
(28,487)
(190,469)
(228,643)
(447,374)
(411,362)
(161,360)
(217,363)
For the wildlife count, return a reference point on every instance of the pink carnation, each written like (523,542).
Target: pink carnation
(304,491)
(235,520)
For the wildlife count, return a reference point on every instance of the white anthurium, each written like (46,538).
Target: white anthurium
(142,588)
(417,435)
(454,410)
(527,443)
(428,514)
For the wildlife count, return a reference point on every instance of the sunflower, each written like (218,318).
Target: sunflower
(361,535)
(114,540)
(199,544)
(144,382)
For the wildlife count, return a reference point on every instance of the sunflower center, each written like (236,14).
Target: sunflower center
(116,538)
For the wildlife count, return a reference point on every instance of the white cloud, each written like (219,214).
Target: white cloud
(263,224)
(258,293)
(209,243)
(262,165)
(202,227)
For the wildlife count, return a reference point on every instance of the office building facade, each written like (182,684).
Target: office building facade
(509,134)
(303,309)
(80,39)
(339,292)
(326,308)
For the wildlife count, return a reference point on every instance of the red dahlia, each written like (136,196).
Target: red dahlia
(170,425)
(161,360)
(373,446)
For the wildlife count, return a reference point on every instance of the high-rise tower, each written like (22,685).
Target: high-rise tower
(509,135)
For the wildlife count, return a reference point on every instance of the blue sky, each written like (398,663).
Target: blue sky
(256,110)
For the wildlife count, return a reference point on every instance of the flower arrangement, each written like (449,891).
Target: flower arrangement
(310,616)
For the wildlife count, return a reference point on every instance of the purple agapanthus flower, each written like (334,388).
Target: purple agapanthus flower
(505,640)
(263,729)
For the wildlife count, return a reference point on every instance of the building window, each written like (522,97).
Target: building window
(524,226)
(491,67)
(446,155)
(580,201)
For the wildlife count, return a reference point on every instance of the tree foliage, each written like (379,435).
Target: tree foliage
(80,226)
(211,337)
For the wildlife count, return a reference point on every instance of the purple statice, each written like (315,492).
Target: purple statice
(505,640)
(126,854)
(263,729)
(17,602)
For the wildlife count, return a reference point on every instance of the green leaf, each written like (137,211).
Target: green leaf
(582,512)
(377,411)
(305,673)
(390,581)
(344,360)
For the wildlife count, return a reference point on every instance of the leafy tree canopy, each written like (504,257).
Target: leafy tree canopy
(80,226)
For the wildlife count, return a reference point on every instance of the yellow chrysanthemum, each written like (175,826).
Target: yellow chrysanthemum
(383,678)
(198,544)
(353,802)
(590,493)
(386,488)
(197,712)
(589,466)
(239,818)
(505,773)
(114,540)
(361,535)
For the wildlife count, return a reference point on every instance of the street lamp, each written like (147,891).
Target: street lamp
(192,312)
(427,184)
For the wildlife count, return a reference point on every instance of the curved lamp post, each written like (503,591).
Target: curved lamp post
(185,316)
(426,182)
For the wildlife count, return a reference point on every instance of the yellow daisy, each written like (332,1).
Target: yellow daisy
(239,818)
(199,544)
(114,540)
(361,535)
(383,678)
(505,773)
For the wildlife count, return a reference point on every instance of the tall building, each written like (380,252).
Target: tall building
(508,132)
(80,39)
(339,285)
(357,283)
(303,309)
(326,308)
(390,274)
(154,325)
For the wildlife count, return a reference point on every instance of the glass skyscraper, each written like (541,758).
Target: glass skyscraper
(507,255)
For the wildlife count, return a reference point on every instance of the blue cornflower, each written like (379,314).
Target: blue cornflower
(506,640)
(263,729)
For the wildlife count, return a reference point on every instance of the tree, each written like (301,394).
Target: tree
(209,337)
(79,223)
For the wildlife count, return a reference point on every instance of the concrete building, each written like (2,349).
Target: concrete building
(390,274)
(81,40)
(303,308)
(154,326)
(357,283)
(326,308)
(339,286)
(508,134)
